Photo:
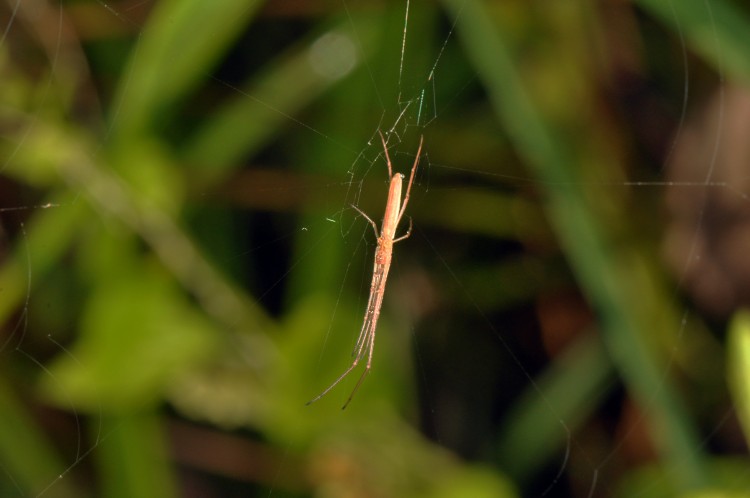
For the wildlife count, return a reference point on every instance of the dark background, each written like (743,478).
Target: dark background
(182,270)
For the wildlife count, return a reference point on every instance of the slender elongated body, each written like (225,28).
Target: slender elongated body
(394,211)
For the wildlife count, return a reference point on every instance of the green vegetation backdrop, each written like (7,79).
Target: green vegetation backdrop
(182,270)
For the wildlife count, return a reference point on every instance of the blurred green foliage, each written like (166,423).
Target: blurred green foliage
(181,269)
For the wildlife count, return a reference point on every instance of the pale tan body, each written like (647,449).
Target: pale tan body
(394,211)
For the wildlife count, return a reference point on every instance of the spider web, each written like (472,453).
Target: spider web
(171,304)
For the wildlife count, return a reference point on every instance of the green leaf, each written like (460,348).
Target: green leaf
(729,477)
(739,367)
(25,453)
(717,30)
(174,53)
(476,482)
(134,457)
(138,333)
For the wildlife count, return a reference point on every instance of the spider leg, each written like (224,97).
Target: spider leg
(359,383)
(387,157)
(370,348)
(411,179)
(374,226)
(407,234)
(335,382)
